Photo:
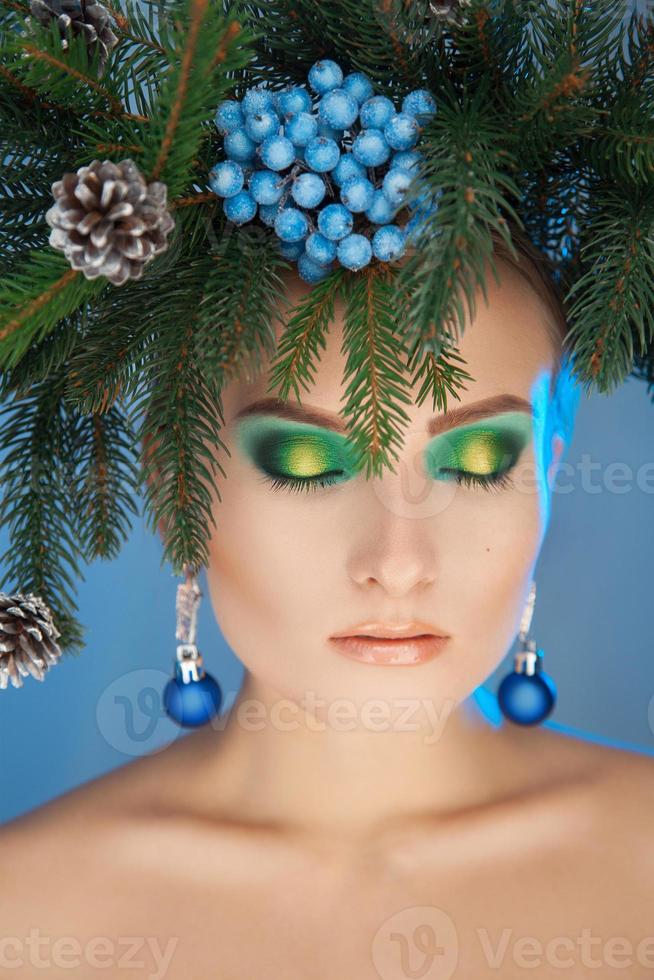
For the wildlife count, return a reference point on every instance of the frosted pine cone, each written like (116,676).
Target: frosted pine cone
(448,10)
(108,221)
(82,17)
(27,638)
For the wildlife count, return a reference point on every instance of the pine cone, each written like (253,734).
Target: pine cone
(27,638)
(108,221)
(448,10)
(83,17)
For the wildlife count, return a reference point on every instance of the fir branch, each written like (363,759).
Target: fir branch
(462,190)
(304,334)
(35,504)
(241,294)
(36,298)
(375,389)
(612,315)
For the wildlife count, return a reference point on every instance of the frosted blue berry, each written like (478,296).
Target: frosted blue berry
(239,146)
(266,186)
(261,124)
(291,250)
(401,131)
(381,211)
(301,128)
(308,190)
(388,243)
(293,99)
(268,212)
(324,75)
(226,179)
(291,225)
(335,221)
(229,116)
(370,148)
(358,86)
(354,251)
(395,184)
(325,130)
(240,208)
(277,152)
(257,99)
(311,271)
(348,166)
(338,109)
(375,112)
(357,193)
(406,159)
(419,103)
(321,154)
(320,249)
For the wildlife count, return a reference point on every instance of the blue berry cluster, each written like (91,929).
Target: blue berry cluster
(327,167)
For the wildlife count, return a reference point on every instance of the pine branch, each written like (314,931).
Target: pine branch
(375,389)
(612,304)
(240,297)
(304,334)
(35,299)
(35,505)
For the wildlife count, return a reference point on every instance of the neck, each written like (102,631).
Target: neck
(298,770)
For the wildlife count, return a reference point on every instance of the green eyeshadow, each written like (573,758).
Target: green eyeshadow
(482,448)
(283,448)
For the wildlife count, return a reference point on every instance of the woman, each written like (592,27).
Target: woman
(355,815)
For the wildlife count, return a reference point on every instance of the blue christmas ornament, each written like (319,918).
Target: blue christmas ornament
(258,99)
(192,697)
(527,695)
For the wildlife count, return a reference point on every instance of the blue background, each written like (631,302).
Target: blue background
(101,709)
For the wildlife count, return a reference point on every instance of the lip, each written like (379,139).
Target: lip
(390,644)
(391,631)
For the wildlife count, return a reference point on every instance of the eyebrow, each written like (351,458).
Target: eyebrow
(459,415)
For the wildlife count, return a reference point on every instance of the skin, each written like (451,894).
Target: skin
(295,841)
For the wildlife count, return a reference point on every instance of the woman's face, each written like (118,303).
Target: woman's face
(292,564)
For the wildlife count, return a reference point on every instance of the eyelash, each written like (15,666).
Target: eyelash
(494,481)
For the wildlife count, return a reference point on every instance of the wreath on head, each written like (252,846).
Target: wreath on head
(163,164)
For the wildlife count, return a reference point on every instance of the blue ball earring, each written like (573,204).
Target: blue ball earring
(192,697)
(527,695)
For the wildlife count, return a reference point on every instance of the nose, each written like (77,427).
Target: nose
(392,553)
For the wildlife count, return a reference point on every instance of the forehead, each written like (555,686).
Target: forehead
(506,348)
